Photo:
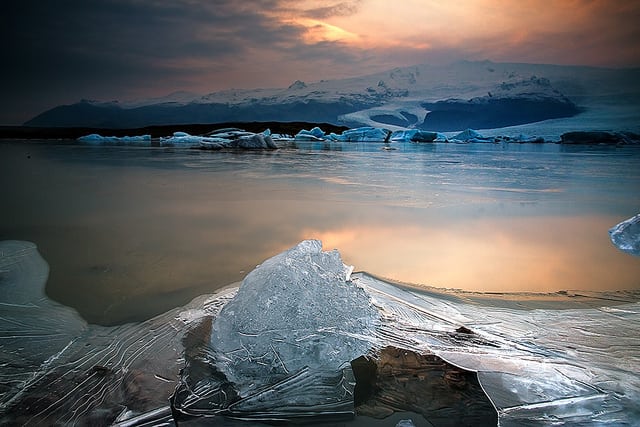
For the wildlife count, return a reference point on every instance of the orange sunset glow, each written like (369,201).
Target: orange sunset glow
(521,31)
(129,49)
(545,254)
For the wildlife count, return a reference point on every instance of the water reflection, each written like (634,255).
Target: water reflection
(130,233)
(537,254)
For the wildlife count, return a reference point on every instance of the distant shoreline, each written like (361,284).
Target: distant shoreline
(576,137)
(156,131)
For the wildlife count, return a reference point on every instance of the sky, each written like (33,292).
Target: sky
(61,51)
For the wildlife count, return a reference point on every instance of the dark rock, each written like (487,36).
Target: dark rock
(400,380)
(464,330)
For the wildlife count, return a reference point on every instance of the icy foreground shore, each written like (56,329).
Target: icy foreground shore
(282,346)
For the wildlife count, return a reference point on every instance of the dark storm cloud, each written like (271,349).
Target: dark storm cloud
(53,49)
(132,32)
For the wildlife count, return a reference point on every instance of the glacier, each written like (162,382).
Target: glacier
(546,100)
(282,346)
(626,235)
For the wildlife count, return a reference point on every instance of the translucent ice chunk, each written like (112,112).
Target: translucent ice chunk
(286,340)
(626,235)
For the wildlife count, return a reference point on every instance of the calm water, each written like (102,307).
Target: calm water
(131,232)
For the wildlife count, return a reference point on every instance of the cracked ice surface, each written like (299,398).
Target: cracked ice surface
(538,366)
(57,370)
(626,235)
(281,347)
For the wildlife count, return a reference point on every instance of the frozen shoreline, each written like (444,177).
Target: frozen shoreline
(574,364)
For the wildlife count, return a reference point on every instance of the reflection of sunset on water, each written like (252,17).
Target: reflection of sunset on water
(539,254)
(126,240)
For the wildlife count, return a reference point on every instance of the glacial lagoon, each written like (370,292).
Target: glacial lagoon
(129,233)
(132,232)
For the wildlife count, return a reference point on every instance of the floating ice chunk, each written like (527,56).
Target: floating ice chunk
(315,134)
(222,138)
(522,138)
(254,141)
(416,135)
(298,308)
(471,135)
(626,235)
(94,138)
(364,134)
(182,138)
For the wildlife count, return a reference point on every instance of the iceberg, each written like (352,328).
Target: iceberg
(471,135)
(215,140)
(315,134)
(364,134)
(305,339)
(520,139)
(96,139)
(416,135)
(626,235)
(222,138)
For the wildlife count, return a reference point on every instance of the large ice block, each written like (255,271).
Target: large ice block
(284,344)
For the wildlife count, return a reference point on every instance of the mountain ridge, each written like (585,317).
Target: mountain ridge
(396,98)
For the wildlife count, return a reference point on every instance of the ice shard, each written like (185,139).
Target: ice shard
(626,235)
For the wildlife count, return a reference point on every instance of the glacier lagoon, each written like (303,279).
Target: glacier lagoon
(130,233)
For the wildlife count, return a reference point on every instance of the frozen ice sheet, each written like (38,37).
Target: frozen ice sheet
(56,369)
(245,359)
(571,366)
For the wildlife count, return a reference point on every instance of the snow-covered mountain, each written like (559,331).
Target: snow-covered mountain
(481,95)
